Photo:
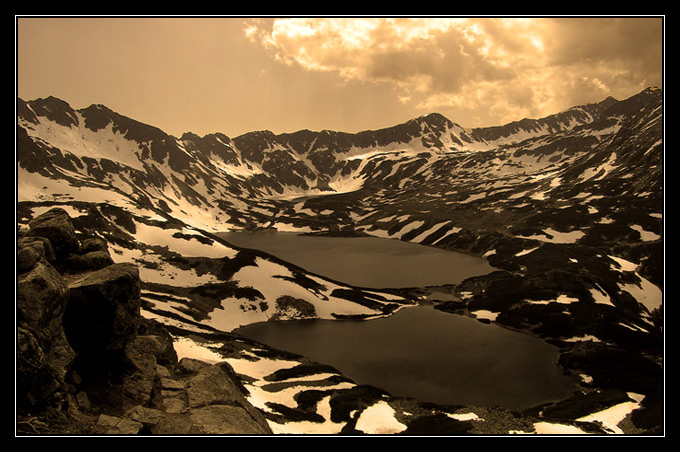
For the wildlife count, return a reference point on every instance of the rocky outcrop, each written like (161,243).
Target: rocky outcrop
(89,363)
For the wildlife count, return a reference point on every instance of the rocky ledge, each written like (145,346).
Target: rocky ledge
(87,362)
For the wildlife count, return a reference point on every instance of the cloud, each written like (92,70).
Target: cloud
(505,68)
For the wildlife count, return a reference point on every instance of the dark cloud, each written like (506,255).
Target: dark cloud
(634,41)
(505,67)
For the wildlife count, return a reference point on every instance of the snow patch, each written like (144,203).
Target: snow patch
(561,299)
(645,292)
(549,428)
(600,296)
(550,235)
(379,419)
(186,348)
(611,417)
(645,236)
(527,251)
(485,315)
(585,338)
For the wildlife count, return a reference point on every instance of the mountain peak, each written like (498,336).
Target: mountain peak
(434,119)
(99,116)
(54,109)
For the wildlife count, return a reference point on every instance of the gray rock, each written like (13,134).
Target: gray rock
(104,309)
(114,425)
(162,371)
(42,295)
(44,356)
(173,424)
(172,405)
(93,260)
(218,406)
(169,383)
(141,353)
(27,257)
(93,244)
(226,420)
(60,356)
(83,401)
(127,427)
(146,416)
(190,365)
(40,244)
(212,386)
(84,348)
(55,225)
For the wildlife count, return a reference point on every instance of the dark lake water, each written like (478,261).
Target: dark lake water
(430,355)
(366,261)
(418,352)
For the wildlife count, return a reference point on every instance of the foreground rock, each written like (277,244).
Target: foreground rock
(88,363)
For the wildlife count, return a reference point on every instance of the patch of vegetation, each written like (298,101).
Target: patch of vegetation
(286,303)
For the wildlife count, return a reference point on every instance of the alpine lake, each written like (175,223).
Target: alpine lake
(418,352)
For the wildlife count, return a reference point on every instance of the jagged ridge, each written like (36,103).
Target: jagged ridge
(570,207)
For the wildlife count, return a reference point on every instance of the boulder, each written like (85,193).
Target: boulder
(92,254)
(191,365)
(93,244)
(167,354)
(44,356)
(41,245)
(225,420)
(104,309)
(217,405)
(114,425)
(55,225)
(92,260)
(148,417)
(173,424)
(212,386)
(42,296)
(41,371)
(27,257)
(141,353)
(85,352)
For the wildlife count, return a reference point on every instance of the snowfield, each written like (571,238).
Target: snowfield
(569,209)
(378,418)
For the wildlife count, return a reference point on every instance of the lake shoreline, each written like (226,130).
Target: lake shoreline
(366,262)
(429,354)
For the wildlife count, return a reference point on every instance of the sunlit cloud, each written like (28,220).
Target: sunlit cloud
(501,68)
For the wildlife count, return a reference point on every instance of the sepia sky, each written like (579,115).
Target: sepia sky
(238,74)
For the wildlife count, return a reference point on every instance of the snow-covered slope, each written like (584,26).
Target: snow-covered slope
(215,177)
(569,208)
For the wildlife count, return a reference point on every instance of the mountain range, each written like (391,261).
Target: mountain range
(569,209)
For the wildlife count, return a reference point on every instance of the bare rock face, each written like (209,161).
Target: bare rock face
(86,356)
(190,398)
(44,356)
(42,296)
(103,310)
(213,399)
